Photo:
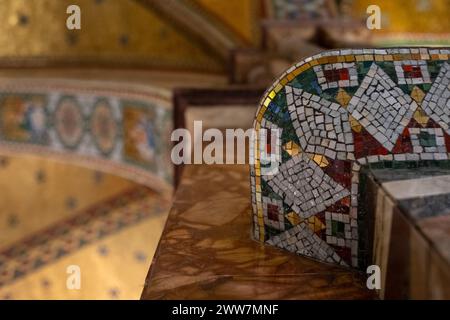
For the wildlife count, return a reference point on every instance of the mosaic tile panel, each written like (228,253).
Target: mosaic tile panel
(337,75)
(116,128)
(340,111)
(381,107)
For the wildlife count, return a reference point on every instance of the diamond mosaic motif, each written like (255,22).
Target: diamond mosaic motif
(273,213)
(437,103)
(417,94)
(292,148)
(381,107)
(412,72)
(302,240)
(343,97)
(421,117)
(336,75)
(305,187)
(428,140)
(321,126)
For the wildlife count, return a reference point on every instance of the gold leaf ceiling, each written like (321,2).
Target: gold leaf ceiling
(112,32)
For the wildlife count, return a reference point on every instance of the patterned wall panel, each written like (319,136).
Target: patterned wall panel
(117,128)
(337,112)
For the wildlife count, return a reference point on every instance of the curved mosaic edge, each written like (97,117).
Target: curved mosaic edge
(119,128)
(310,206)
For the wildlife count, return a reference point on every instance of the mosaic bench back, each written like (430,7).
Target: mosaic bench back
(336,112)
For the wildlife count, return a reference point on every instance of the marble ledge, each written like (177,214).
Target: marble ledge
(414,204)
(422,195)
(206,250)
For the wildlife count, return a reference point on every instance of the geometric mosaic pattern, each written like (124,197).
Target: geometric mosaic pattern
(75,233)
(335,75)
(111,128)
(339,111)
(427,140)
(302,240)
(338,229)
(305,187)
(273,213)
(381,107)
(322,126)
(412,72)
(437,101)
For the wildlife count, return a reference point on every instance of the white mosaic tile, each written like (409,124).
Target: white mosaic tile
(382,108)
(302,240)
(336,75)
(273,213)
(412,71)
(436,103)
(322,126)
(305,187)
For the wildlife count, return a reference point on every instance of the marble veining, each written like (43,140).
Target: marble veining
(206,250)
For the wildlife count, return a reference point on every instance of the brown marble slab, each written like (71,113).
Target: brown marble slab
(437,229)
(206,251)
(415,249)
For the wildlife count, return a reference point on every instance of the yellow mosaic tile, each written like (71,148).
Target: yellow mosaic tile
(315,224)
(293,218)
(292,148)
(421,117)
(356,126)
(332,59)
(278,87)
(342,97)
(349,58)
(417,94)
(272,94)
(304,67)
(320,160)
(322,60)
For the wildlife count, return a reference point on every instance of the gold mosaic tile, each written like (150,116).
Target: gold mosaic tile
(342,97)
(421,117)
(417,94)
(356,126)
(320,160)
(293,218)
(292,148)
